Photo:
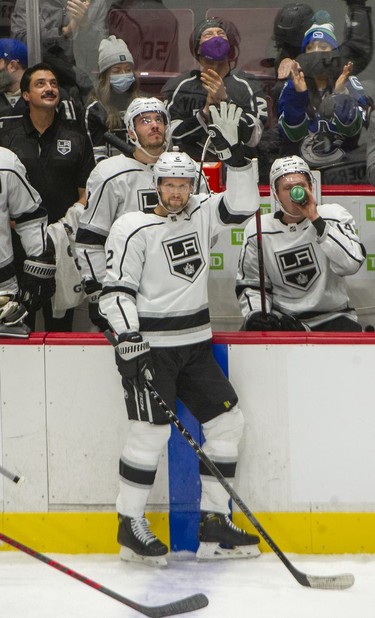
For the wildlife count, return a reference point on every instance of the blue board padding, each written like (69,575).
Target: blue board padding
(184,481)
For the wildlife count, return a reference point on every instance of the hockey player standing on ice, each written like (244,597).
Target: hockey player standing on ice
(118,185)
(20,204)
(308,252)
(155,299)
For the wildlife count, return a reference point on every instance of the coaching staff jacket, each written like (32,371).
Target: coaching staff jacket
(58,162)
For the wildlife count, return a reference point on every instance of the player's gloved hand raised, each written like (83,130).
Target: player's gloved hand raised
(133,359)
(223,129)
(259,321)
(38,280)
(93,290)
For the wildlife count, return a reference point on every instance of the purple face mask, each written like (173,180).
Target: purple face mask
(216,48)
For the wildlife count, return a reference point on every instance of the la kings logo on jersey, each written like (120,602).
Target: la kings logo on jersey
(184,255)
(299,267)
(147,199)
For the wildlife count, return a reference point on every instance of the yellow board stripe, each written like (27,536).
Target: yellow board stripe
(95,532)
(316,533)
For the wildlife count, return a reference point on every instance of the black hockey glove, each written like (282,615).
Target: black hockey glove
(38,280)
(93,290)
(288,322)
(134,360)
(260,321)
(223,131)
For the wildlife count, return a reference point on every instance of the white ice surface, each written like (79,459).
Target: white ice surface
(259,588)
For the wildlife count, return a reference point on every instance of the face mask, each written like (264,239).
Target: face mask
(122,83)
(315,64)
(215,48)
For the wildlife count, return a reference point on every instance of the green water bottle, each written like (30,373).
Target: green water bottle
(298,195)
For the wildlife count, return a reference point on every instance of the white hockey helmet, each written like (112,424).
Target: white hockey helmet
(174,164)
(288,165)
(144,105)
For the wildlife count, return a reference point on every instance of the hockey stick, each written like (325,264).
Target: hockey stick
(333,582)
(117,142)
(13,477)
(189,604)
(203,156)
(262,286)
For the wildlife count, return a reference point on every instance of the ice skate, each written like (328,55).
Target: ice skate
(138,543)
(221,539)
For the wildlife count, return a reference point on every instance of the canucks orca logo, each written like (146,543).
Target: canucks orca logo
(184,256)
(298,267)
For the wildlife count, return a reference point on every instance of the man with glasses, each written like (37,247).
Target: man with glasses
(118,185)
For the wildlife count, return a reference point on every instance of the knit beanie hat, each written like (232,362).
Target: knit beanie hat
(320,32)
(113,51)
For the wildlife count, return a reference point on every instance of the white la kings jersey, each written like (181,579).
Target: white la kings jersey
(21,203)
(157,267)
(115,186)
(304,273)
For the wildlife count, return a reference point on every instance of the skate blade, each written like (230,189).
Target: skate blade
(19,332)
(128,555)
(213,551)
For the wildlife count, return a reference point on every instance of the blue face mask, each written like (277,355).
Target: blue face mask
(122,83)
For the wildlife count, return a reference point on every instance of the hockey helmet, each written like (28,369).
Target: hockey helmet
(230,30)
(288,165)
(290,24)
(144,105)
(174,164)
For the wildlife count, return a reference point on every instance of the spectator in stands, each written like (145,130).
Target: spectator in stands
(322,107)
(57,155)
(7,7)
(117,86)
(214,43)
(70,32)
(13,62)
(308,250)
(295,18)
(150,30)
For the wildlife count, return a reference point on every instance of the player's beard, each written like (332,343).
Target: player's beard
(173,206)
(156,147)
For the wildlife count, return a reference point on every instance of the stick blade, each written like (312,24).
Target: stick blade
(331,582)
(189,604)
